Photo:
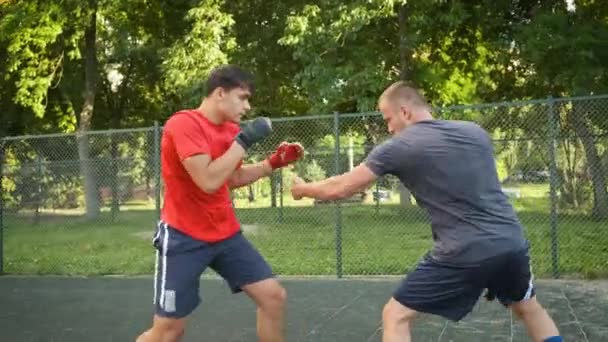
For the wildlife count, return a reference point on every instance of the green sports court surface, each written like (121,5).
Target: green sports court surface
(117,309)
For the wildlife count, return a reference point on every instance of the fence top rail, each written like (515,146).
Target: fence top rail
(76,134)
(546,101)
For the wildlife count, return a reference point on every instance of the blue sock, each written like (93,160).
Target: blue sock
(554,339)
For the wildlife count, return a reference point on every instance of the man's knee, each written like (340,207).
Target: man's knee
(526,308)
(267,294)
(396,313)
(277,297)
(167,329)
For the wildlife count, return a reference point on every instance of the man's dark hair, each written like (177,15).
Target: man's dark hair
(229,77)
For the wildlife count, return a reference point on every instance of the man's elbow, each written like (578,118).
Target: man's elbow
(338,193)
(211,184)
(209,190)
(209,187)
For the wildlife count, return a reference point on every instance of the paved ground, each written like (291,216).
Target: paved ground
(321,310)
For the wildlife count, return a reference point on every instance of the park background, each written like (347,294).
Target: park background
(86,87)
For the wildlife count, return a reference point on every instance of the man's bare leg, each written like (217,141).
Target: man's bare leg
(396,322)
(270,298)
(538,323)
(164,330)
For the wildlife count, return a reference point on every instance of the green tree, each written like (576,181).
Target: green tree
(579,38)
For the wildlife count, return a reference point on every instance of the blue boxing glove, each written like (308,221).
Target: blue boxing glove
(254,131)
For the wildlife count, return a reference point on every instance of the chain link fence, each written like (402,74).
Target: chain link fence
(87,205)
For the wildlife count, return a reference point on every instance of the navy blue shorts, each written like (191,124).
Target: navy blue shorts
(181,259)
(452,292)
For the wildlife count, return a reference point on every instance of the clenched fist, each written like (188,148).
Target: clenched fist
(285,154)
(296,192)
(254,131)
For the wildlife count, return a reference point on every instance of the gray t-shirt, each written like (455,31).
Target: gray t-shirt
(449,167)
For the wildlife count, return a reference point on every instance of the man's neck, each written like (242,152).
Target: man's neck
(423,115)
(209,111)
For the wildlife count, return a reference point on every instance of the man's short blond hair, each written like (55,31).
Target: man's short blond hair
(403,91)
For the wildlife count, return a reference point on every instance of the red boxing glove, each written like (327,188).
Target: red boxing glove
(285,154)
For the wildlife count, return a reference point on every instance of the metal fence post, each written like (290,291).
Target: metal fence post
(115,206)
(553,186)
(1,206)
(38,188)
(157,167)
(338,211)
(377,198)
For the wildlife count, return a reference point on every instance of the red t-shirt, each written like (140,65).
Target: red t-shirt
(203,216)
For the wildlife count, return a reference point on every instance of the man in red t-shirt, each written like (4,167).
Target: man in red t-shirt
(201,157)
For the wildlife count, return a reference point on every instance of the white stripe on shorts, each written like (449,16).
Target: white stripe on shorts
(157,234)
(156,261)
(163,281)
(156,276)
(530,287)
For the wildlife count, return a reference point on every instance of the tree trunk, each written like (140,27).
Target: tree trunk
(404,49)
(405,72)
(570,181)
(251,196)
(114,171)
(86,114)
(578,119)
(118,108)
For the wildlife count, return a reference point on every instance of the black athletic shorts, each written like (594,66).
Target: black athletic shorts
(452,291)
(181,259)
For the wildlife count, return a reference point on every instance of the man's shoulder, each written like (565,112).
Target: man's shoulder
(475,131)
(465,124)
(395,147)
(461,128)
(451,123)
(390,142)
(181,116)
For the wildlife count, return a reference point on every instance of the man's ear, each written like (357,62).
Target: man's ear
(217,93)
(221,92)
(405,112)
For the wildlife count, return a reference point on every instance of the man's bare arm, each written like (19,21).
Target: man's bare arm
(285,154)
(337,187)
(209,175)
(250,173)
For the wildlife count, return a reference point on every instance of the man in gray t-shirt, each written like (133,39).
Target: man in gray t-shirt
(479,243)
(449,168)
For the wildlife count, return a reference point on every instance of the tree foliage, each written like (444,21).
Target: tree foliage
(149,59)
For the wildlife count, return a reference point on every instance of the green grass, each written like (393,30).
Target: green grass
(73,246)
(300,241)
